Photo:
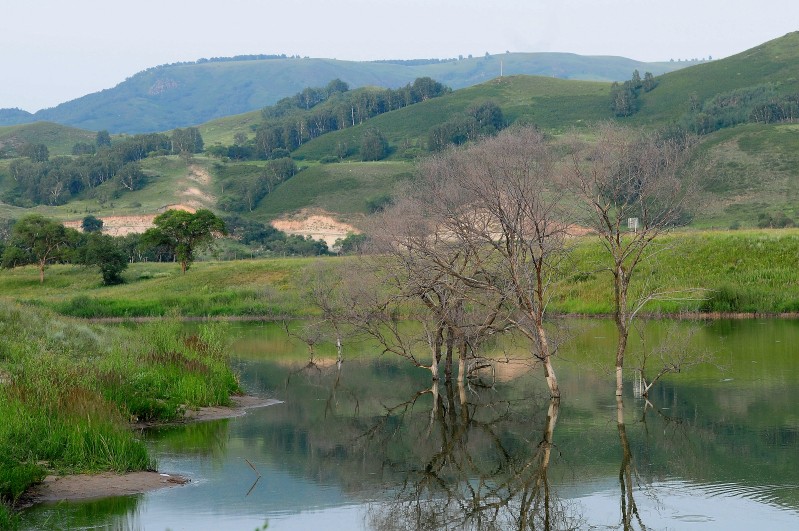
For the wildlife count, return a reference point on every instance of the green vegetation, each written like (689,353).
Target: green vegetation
(346,188)
(183,94)
(59,139)
(184,233)
(68,392)
(741,271)
(266,287)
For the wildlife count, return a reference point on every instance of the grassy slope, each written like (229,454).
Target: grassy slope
(59,139)
(553,104)
(775,61)
(341,188)
(748,170)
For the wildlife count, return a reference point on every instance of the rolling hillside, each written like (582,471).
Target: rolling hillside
(169,96)
(748,171)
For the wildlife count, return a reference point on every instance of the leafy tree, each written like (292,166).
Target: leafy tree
(184,233)
(649,82)
(83,148)
(186,141)
(352,244)
(91,224)
(36,152)
(35,240)
(104,252)
(102,139)
(374,145)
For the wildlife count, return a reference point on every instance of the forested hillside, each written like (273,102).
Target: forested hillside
(343,150)
(179,95)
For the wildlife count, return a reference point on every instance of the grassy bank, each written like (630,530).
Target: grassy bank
(739,271)
(245,287)
(69,391)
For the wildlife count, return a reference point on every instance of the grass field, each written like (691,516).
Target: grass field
(740,271)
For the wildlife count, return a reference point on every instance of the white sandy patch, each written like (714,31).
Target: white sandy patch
(319,226)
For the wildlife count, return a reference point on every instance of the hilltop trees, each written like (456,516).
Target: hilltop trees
(624,96)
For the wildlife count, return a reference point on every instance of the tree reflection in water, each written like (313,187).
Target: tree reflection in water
(478,468)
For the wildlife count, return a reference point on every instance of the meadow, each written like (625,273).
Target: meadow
(749,271)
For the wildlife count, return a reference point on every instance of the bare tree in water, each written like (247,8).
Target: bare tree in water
(633,186)
(499,202)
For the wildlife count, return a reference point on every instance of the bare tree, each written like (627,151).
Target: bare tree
(497,203)
(633,186)
(427,266)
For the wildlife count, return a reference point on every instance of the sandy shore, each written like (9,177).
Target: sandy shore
(103,485)
(108,484)
(239,408)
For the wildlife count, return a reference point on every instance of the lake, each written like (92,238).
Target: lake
(373,445)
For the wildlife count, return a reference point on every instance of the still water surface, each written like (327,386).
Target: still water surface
(371,445)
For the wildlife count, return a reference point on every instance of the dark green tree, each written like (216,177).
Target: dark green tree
(104,252)
(184,233)
(187,141)
(35,240)
(649,82)
(83,148)
(35,152)
(374,145)
(91,224)
(102,139)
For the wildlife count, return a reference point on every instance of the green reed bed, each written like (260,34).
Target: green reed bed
(69,391)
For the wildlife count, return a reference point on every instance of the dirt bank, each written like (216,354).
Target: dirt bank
(317,225)
(104,485)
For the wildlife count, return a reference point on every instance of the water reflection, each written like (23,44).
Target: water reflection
(370,443)
(475,465)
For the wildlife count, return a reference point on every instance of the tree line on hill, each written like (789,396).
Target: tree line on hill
(757,104)
(313,112)
(102,169)
(624,96)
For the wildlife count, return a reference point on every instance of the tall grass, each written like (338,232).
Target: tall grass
(68,392)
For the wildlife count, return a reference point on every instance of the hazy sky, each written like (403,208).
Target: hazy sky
(57,50)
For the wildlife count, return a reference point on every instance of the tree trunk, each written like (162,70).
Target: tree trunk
(448,359)
(621,347)
(461,363)
(621,283)
(183,267)
(41,272)
(546,358)
(627,502)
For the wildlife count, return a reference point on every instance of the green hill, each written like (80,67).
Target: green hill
(179,95)
(59,139)
(749,172)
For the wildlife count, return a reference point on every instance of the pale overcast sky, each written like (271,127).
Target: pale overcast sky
(53,51)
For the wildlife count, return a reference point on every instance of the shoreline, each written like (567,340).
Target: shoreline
(73,487)
(688,315)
